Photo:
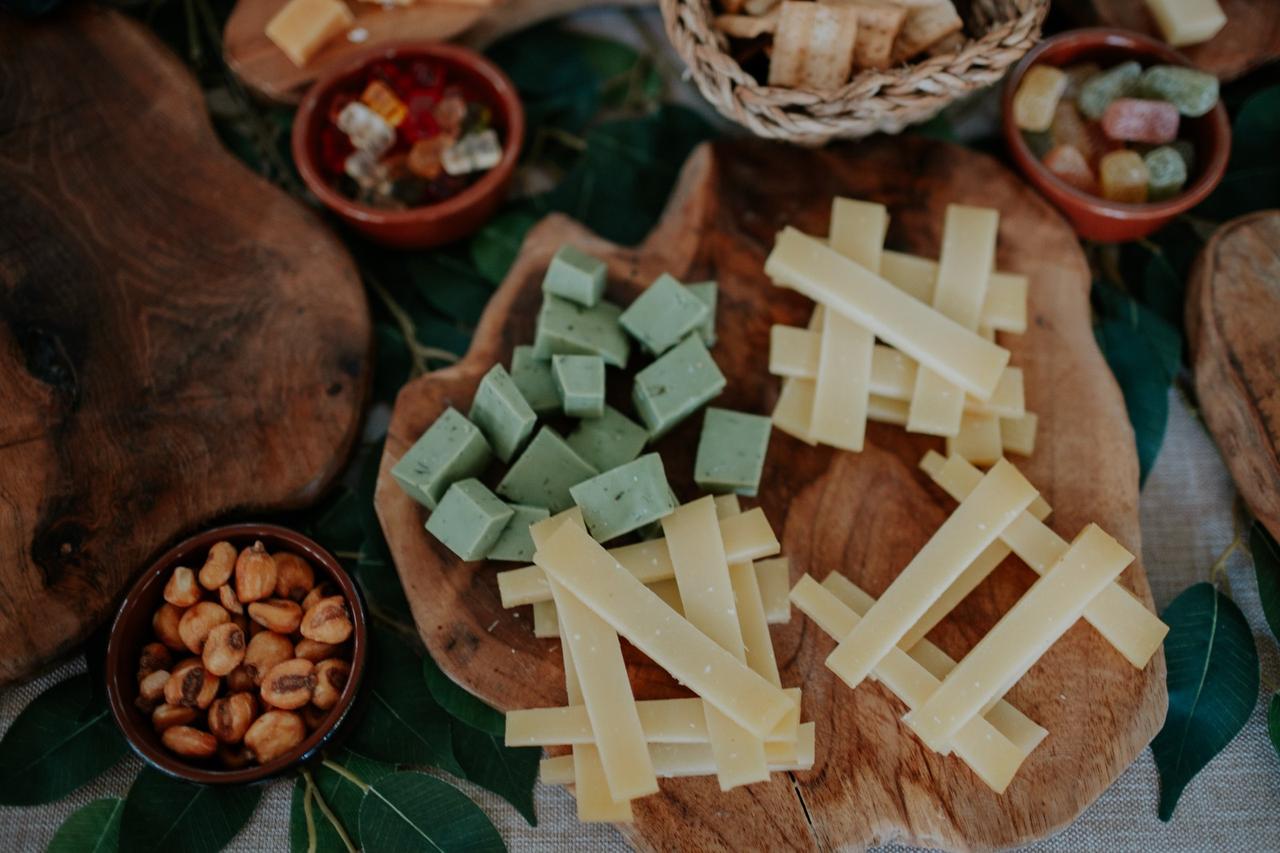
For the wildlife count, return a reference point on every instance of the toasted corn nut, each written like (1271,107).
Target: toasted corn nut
(314,717)
(151,688)
(294,576)
(154,657)
(165,623)
(327,621)
(182,589)
(191,684)
(277,614)
(331,677)
(217,568)
(320,591)
(167,716)
(290,684)
(198,621)
(231,716)
(145,705)
(234,757)
(242,679)
(227,598)
(224,648)
(314,650)
(189,742)
(273,734)
(265,651)
(255,574)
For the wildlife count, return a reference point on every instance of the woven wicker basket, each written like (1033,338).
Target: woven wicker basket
(872,101)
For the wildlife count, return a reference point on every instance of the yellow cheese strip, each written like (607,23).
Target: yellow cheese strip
(795,405)
(1001,496)
(933,340)
(774,577)
(886,411)
(746,537)
(727,505)
(594,802)
(540,531)
(991,755)
(702,574)
(978,440)
(1018,434)
(1117,614)
(756,641)
(546,624)
(1020,729)
(936,405)
(1022,636)
(1005,306)
(587,570)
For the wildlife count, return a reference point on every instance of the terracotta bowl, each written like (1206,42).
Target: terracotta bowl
(1094,217)
(429,225)
(132,630)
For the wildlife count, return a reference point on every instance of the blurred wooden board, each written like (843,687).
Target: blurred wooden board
(178,339)
(862,514)
(1233,320)
(262,66)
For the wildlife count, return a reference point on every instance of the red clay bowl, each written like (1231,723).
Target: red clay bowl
(429,225)
(1093,217)
(132,630)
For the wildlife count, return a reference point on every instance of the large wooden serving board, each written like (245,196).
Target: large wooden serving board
(178,338)
(862,514)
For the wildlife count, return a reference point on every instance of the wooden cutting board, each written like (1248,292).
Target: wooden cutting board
(178,339)
(262,66)
(862,514)
(1233,321)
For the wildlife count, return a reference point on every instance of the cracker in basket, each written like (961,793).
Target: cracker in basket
(926,25)
(813,45)
(879,22)
(746,26)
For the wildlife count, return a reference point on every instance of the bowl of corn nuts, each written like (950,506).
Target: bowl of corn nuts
(236,655)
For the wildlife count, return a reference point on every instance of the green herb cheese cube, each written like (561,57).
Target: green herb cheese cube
(566,328)
(452,449)
(580,384)
(576,276)
(544,473)
(532,376)
(662,315)
(709,293)
(469,519)
(625,498)
(608,441)
(676,385)
(502,413)
(515,543)
(731,451)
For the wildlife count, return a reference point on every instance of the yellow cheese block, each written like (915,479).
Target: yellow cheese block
(978,440)
(774,577)
(302,27)
(1184,22)
(1018,434)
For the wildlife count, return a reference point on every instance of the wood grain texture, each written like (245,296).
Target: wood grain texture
(178,338)
(861,514)
(1233,320)
(1250,39)
(262,66)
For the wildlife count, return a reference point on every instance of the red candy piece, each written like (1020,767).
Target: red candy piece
(335,147)
(1135,120)
(1069,164)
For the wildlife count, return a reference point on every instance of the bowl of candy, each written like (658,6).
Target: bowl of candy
(1116,129)
(412,144)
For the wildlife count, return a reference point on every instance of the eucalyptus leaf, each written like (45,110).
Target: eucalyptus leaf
(1266,566)
(392,362)
(170,815)
(459,702)
(1213,686)
(495,246)
(94,828)
(410,811)
(1252,181)
(61,740)
(510,772)
(451,285)
(342,796)
(1144,385)
(340,526)
(1273,722)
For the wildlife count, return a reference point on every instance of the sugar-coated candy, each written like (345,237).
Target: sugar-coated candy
(1100,90)
(368,131)
(450,112)
(1166,173)
(1184,22)
(362,167)
(1136,120)
(1123,176)
(426,154)
(1193,92)
(473,153)
(1070,128)
(1037,95)
(1069,164)
(380,98)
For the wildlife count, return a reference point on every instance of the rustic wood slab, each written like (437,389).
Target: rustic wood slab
(861,514)
(178,338)
(1251,37)
(1233,319)
(262,66)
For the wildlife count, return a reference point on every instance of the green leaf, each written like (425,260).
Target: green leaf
(163,813)
(409,811)
(59,742)
(1266,567)
(459,702)
(1213,686)
(392,362)
(94,828)
(509,772)
(340,794)
(1273,722)
(451,285)
(340,526)
(402,724)
(495,246)
(1252,181)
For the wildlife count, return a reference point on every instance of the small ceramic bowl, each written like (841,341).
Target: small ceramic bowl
(1094,217)
(132,630)
(428,225)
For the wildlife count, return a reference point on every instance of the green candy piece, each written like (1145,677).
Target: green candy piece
(731,451)
(608,441)
(1193,92)
(625,499)
(709,293)
(576,276)
(469,519)
(1101,89)
(1166,173)
(566,328)
(515,543)
(580,383)
(502,413)
(676,385)
(451,449)
(544,473)
(661,316)
(532,375)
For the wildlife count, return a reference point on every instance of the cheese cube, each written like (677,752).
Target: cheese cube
(708,292)
(731,451)
(452,449)
(662,315)
(302,27)
(469,519)
(544,473)
(515,543)
(580,384)
(608,441)
(576,276)
(625,498)
(502,413)
(566,328)
(532,375)
(1184,22)
(676,385)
